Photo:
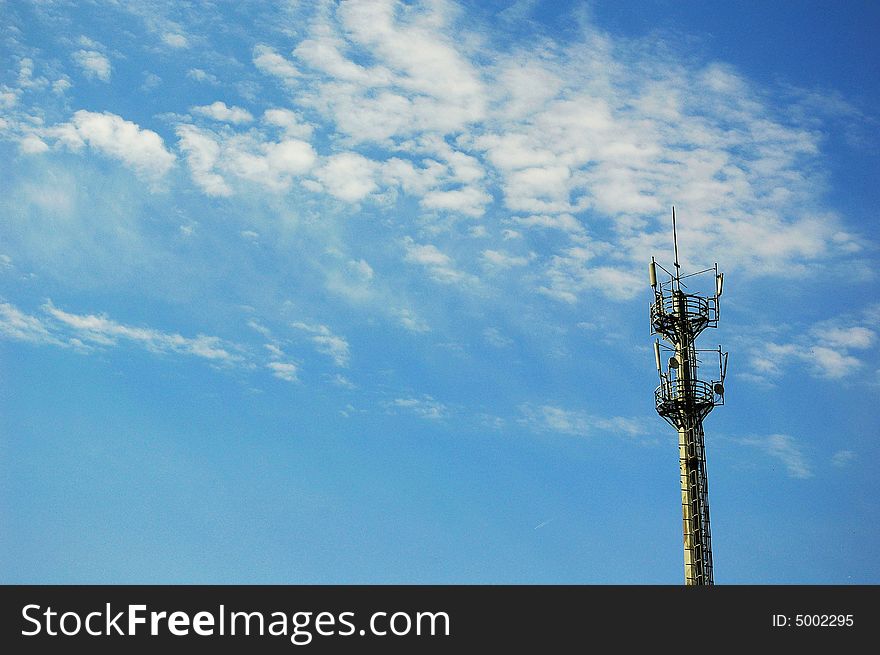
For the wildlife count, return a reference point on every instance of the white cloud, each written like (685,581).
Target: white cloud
(514,151)
(563,222)
(771,356)
(439,265)
(200,75)
(93,64)
(825,348)
(842,458)
(327,343)
(418,81)
(86,42)
(26,79)
(8,97)
(571,273)
(470,201)
(290,121)
(348,176)
(322,51)
(139,149)
(428,255)
(557,139)
(425,407)
(334,346)
(571,135)
(830,362)
(202,152)
(213,157)
(15,324)
(784,448)
(220,112)
(271,63)
(545,188)
(361,269)
(32,145)
(415,180)
(61,85)
(103,331)
(502,260)
(412,322)
(494,337)
(274,351)
(342,381)
(283,371)
(87,332)
(552,418)
(527,87)
(175,40)
(151,82)
(856,337)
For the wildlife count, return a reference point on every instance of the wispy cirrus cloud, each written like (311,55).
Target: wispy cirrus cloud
(334,346)
(832,349)
(175,40)
(843,458)
(58,327)
(784,448)
(17,325)
(284,370)
(89,332)
(496,338)
(424,407)
(553,418)
(439,265)
(98,329)
(502,260)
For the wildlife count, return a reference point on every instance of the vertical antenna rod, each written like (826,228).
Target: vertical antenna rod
(675,240)
(684,400)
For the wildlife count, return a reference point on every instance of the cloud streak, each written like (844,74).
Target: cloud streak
(424,407)
(102,331)
(831,349)
(327,343)
(784,448)
(561,420)
(88,332)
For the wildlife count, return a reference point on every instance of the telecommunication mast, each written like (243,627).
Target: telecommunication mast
(683,399)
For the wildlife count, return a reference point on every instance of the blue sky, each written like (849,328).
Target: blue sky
(357,292)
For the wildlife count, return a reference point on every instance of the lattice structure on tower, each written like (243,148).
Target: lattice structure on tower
(684,399)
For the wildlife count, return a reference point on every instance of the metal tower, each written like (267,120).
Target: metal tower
(678,316)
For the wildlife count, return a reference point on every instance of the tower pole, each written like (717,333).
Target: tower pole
(684,400)
(691,454)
